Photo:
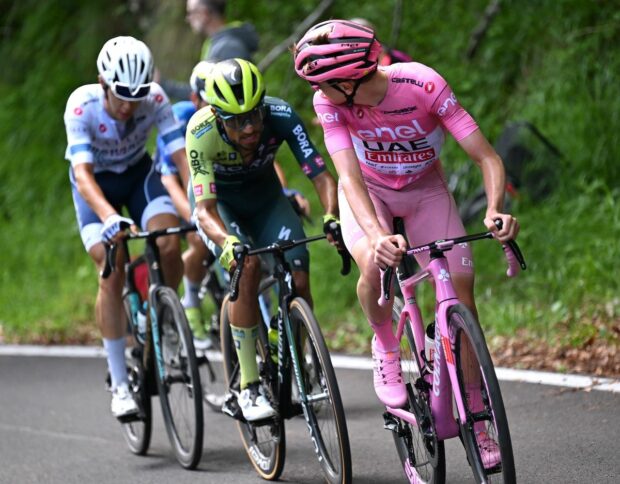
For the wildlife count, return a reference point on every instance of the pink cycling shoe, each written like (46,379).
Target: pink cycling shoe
(489,450)
(388,378)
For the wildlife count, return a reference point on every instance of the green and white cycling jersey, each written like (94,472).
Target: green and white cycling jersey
(217,168)
(249,194)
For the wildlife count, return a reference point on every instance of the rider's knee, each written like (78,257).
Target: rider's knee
(169,247)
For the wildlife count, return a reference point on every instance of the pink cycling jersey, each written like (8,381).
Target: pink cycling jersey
(399,140)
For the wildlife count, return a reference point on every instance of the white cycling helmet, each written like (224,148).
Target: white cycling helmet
(198,79)
(126,65)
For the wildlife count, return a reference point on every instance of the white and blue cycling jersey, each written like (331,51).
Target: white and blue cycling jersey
(95,137)
(183,111)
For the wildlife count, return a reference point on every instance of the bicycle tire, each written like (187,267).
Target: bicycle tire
(137,433)
(178,379)
(422,456)
(265,445)
(319,378)
(466,330)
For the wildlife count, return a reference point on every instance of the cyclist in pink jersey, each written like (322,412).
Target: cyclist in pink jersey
(384,127)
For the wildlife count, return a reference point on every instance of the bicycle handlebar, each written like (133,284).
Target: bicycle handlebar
(111,249)
(514,257)
(334,229)
(242,251)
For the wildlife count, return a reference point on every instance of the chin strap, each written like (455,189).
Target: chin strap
(349,97)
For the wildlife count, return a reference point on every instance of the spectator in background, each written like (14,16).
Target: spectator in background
(224,40)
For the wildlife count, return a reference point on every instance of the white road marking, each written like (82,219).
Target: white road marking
(583,382)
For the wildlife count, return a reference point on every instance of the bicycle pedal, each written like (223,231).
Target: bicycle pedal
(132,417)
(231,408)
(390,422)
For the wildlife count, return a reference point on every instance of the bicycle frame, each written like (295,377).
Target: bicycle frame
(287,352)
(442,387)
(156,279)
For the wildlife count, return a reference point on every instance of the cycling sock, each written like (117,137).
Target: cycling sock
(245,343)
(190,297)
(385,335)
(115,351)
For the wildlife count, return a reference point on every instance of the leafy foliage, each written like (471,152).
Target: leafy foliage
(551,63)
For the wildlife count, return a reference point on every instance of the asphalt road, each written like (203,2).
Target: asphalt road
(55,427)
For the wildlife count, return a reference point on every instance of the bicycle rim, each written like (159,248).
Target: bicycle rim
(137,433)
(422,456)
(485,413)
(265,444)
(323,411)
(178,380)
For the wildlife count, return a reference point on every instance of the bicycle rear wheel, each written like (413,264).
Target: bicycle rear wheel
(322,406)
(485,414)
(423,456)
(264,443)
(178,380)
(137,432)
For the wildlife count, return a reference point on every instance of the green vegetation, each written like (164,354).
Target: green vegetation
(552,63)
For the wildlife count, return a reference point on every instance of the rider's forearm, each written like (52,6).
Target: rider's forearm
(91,192)
(210,221)
(326,187)
(280,174)
(180,160)
(356,193)
(494,178)
(361,206)
(172,184)
(492,167)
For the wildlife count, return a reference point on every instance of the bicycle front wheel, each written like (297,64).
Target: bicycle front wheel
(423,456)
(178,379)
(484,431)
(322,404)
(264,443)
(213,289)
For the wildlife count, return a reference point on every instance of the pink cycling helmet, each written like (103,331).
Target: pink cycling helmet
(336,50)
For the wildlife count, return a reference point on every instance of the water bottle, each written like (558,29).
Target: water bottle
(272,337)
(429,344)
(141,320)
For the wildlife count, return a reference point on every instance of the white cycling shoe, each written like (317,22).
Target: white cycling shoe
(254,404)
(123,404)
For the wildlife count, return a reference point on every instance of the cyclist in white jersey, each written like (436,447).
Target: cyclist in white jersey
(107,126)
(384,128)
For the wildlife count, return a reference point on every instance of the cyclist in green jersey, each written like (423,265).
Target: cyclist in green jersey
(231,146)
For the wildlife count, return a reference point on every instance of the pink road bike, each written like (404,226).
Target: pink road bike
(454,393)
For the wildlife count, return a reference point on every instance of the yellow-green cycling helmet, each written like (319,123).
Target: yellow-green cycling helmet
(235,86)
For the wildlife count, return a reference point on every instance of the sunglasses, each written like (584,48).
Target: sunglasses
(238,122)
(124,92)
